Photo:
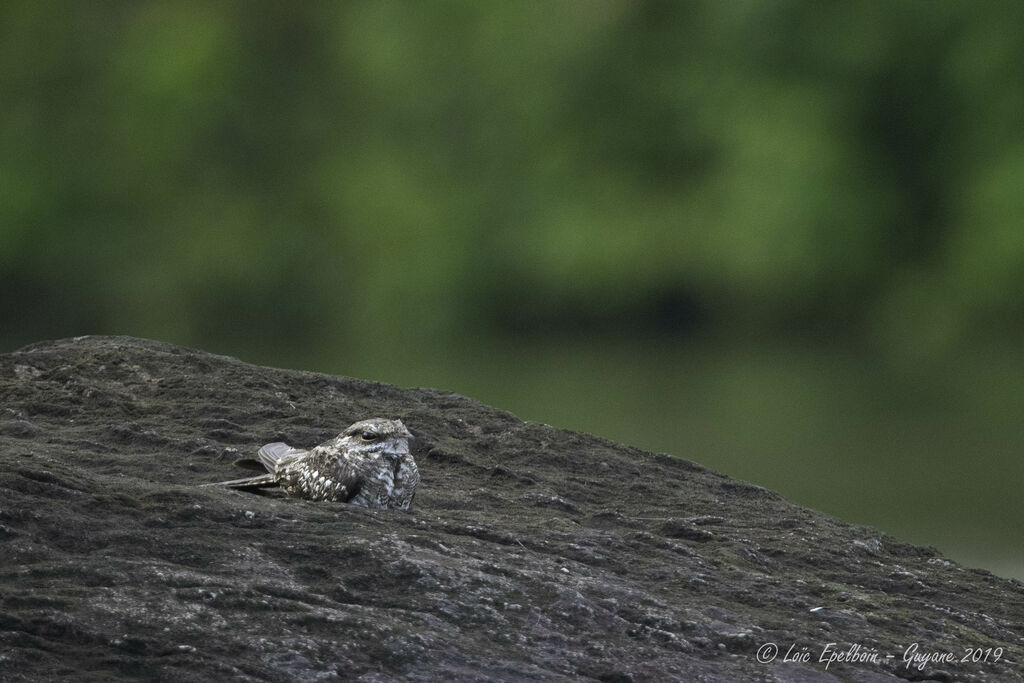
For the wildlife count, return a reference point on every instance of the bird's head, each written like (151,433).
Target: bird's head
(390,437)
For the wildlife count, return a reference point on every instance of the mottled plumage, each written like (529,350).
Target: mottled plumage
(368,464)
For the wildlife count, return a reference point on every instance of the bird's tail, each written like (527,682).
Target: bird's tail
(262,481)
(266,461)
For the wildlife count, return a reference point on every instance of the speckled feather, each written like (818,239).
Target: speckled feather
(368,464)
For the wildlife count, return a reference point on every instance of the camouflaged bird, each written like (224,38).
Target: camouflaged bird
(368,464)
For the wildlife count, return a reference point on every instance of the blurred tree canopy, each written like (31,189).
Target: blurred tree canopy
(335,177)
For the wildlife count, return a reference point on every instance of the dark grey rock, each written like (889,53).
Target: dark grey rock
(530,553)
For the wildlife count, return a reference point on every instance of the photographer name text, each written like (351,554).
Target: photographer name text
(914,656)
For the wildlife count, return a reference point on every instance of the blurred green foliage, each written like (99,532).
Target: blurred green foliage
(194,170)
(443,192)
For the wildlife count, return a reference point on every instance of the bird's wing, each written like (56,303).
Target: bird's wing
(347,472)
(274,454)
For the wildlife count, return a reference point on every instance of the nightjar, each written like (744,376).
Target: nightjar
(368,464)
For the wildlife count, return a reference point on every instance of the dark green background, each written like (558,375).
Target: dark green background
(782,239)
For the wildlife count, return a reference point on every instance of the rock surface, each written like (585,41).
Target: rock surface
(530,553)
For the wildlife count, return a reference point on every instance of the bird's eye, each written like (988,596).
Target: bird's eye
(369,436)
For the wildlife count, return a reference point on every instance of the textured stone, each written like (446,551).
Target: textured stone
(531,553)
